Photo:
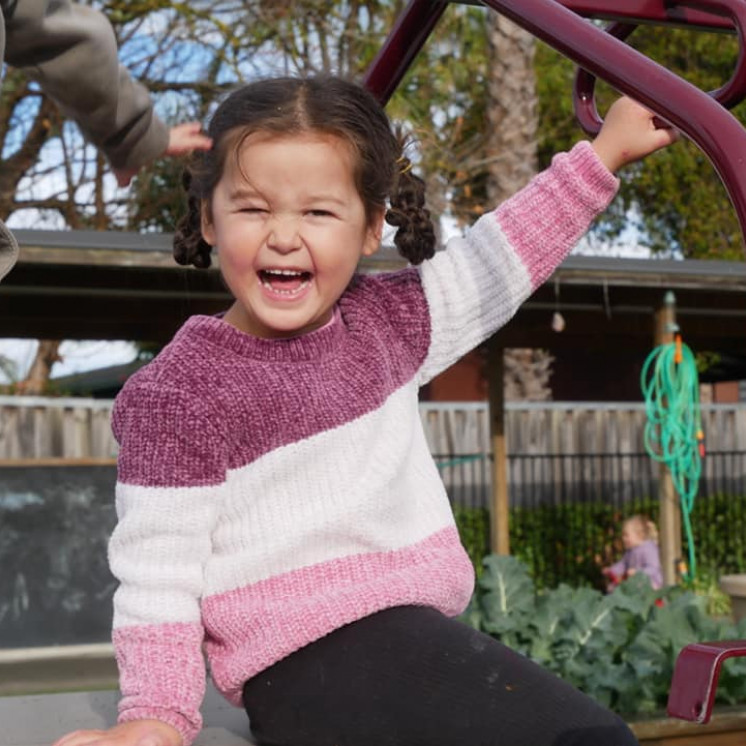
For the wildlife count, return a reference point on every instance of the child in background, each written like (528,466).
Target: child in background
(640,539)
(278,505)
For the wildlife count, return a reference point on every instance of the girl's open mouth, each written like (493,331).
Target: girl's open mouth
(284,281)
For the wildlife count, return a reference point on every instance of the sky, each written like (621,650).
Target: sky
(77,357)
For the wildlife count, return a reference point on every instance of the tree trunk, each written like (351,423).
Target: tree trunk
(512,153)
(512,109)
(36,381)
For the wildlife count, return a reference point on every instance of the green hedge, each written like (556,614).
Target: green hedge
(570,543)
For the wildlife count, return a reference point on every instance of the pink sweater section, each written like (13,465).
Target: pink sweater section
(527,223)
(271,491)
(304,605)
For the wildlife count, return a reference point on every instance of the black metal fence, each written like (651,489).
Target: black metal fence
(566,510)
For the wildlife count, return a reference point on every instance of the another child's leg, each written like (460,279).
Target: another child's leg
(410,676)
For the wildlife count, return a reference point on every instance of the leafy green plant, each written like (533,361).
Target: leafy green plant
(619,648)
(705,584)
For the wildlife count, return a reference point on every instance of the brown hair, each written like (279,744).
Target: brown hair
(327,105)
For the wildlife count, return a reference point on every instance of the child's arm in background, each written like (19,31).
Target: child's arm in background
(71,51)
(476,285)
(618,571)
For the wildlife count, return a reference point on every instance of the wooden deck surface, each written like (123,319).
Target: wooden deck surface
(38,720)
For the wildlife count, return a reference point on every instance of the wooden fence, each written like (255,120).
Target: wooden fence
(571,450)
(586,456)
(39,427)
(567,428)
(44,428)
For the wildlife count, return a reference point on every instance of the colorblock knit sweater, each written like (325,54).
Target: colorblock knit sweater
(271,491)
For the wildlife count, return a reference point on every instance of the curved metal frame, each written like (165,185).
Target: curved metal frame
(728,95)
(561,24)
(695,678)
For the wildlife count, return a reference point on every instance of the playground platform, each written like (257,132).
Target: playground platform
(48,692)
(40,719)
(42,698)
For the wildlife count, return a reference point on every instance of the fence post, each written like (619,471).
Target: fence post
(670,509)
(499,528)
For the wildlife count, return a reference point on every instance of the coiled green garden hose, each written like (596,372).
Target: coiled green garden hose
(673,431)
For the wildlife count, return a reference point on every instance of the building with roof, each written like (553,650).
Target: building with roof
(111,285)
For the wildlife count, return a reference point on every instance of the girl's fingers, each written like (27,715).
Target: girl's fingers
(133,733)
(81,738)
(671,135)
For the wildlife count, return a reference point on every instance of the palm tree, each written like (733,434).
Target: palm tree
(512,157)
(511,108)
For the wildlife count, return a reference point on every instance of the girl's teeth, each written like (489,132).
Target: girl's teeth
(285,291)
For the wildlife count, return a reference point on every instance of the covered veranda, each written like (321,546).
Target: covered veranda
(110,285)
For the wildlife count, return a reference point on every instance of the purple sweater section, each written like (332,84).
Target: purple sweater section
(337,373)
(645,558)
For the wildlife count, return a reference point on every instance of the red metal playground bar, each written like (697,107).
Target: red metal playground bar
(561,24)
(703,117)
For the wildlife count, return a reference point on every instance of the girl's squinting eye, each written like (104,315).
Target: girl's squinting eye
(320,213)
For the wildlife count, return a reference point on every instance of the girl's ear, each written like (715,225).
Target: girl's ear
(374,233)
(206,225)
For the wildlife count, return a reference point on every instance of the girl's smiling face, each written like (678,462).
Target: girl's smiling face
(290,228)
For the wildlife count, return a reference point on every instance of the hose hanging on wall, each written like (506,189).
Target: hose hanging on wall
(673,431)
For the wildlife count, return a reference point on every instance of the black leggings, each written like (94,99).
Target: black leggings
(410,676)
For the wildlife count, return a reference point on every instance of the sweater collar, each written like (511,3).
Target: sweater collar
(312,346)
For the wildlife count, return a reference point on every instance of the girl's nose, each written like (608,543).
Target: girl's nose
(284,235)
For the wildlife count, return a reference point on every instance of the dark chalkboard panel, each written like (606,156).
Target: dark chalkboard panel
(55,584)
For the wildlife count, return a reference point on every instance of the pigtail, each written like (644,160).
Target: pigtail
(415,237)
(189,245)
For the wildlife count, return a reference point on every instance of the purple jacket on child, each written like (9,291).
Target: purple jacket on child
(645,558)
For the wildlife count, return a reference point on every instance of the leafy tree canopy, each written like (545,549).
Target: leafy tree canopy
(675,196)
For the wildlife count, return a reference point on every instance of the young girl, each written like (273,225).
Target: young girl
(640,539)
(278,505)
